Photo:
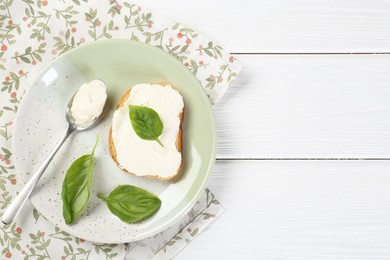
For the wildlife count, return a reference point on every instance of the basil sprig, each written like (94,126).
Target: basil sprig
(132,204)
(76,187)
(146,123)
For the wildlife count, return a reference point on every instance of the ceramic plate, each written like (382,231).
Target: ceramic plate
(40,124)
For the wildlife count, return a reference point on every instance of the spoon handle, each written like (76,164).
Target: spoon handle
(17,204)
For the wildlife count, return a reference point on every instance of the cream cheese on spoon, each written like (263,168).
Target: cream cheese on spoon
(88,102)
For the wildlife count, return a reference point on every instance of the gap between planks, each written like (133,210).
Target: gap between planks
(303,159)
(310,53)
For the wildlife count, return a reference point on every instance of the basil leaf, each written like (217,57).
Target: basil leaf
(146,123)
(132,204)
(76,187)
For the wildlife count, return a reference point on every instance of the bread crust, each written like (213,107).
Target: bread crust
(179,142)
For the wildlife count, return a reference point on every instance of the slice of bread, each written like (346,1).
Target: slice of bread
(178,142)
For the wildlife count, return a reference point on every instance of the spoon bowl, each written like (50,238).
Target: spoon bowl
(72,122)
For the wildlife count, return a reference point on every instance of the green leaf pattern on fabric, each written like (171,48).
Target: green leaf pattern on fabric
(33,33)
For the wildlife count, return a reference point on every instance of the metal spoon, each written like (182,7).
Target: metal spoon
(17,204)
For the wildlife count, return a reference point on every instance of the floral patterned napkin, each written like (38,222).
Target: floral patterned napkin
(34,32)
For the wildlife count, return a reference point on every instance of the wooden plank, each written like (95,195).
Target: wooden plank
(285,26)
(298,210)
(315,106)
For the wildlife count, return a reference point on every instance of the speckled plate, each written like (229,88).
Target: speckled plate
(40,124)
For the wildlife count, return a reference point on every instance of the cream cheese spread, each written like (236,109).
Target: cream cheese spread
(147,157)
(88,102)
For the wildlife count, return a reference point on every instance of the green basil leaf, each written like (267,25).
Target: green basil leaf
(146,123)
(132,204)
(76,187)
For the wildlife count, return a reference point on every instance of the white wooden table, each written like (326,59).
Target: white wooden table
(303,165)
